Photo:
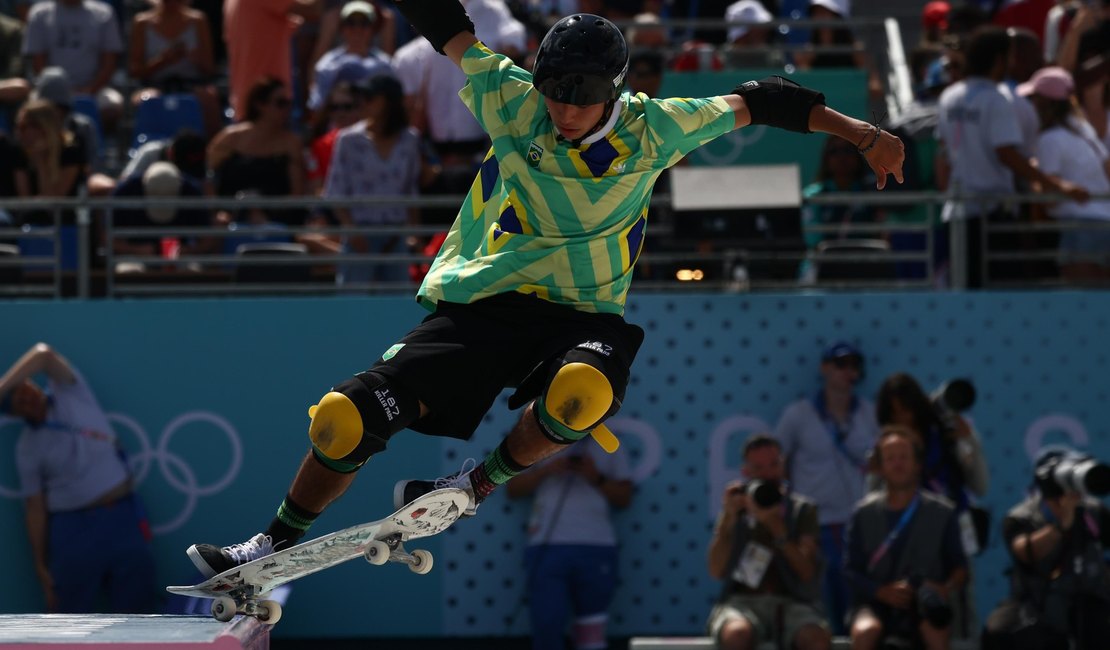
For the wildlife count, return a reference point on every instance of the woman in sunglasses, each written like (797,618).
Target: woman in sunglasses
(261,154)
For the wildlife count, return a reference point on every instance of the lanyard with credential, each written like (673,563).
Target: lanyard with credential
(892,536)
(833,428)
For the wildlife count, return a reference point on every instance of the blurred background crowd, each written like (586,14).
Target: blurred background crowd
(303,98)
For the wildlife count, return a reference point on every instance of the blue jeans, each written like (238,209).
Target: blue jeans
(103,547)
(566,581)
(835,590)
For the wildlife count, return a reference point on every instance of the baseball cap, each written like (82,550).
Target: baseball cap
(358,7)
(161,179)
(52,85)
(840,350)
(751,11)
(1052,82)
(935,14)
(842,8)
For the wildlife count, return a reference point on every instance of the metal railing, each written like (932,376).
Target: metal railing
(727,265)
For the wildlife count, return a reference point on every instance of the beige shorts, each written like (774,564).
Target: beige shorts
(763,612)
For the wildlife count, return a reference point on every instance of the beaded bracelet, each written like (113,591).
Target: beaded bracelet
(878,132)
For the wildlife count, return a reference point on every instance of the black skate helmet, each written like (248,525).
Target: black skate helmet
(582,60)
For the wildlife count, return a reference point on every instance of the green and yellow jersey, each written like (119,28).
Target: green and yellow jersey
(545,218)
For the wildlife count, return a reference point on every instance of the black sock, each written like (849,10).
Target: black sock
(290,524)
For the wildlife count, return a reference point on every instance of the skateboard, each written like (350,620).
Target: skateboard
(241,590)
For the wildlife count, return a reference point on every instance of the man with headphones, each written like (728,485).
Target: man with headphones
(904,553)
(825,439)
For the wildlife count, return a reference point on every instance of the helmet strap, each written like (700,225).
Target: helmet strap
(577,142)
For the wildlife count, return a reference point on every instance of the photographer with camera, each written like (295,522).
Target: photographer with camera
(765,550)
(953,464)
(904,554)
(1060,585)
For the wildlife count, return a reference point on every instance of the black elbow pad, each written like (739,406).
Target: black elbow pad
(779,102)
(437,20)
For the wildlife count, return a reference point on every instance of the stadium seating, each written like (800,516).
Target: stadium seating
(162,116)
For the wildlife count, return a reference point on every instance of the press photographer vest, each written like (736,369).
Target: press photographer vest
(807,592)
(917,549)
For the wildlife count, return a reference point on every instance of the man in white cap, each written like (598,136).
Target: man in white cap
(749,40)
(356,59)
(162,179)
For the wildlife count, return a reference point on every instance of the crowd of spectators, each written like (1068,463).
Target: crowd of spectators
(249,98)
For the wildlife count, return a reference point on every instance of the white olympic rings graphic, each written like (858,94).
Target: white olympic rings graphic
(738,141)
(173,468)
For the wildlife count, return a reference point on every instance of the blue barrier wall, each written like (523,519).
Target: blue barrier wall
(210,396)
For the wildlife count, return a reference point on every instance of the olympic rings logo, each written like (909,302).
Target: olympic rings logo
(737,141)
(173,468)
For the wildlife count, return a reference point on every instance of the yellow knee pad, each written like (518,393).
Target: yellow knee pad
(578,396)
(336,427)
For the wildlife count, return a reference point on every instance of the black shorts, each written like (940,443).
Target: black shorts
(460,358)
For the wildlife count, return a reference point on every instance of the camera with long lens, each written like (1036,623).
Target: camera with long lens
(951,398)
(931,606)
(1072,472)
(764,493)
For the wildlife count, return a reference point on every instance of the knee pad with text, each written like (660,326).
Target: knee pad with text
(356,419)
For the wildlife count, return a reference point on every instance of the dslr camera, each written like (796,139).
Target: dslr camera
(1072,472)
(931,606)
(765,494)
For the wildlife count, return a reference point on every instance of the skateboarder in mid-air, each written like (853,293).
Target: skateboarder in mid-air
(528,290)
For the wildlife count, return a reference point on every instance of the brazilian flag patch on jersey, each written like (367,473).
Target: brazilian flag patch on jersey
(535,152)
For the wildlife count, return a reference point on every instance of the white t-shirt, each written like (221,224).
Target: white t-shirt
(976,118)
(72,37)
(73,457)
(435,78)
(566,509)
(1028,122)
(1076,154)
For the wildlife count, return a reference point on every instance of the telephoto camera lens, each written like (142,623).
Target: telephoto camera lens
(956,395)
(765,493)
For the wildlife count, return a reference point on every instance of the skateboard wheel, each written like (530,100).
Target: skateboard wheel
(423,561)
(273,612)
(377,552)
(223,609)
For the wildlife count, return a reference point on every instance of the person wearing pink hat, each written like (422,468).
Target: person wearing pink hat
(1069,148)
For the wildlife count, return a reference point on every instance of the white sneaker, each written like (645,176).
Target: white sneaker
(214,560)
(405,492)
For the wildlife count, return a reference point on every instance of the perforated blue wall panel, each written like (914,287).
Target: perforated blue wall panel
(210,397)
(716,368)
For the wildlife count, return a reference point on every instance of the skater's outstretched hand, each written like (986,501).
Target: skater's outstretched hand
(885,157)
